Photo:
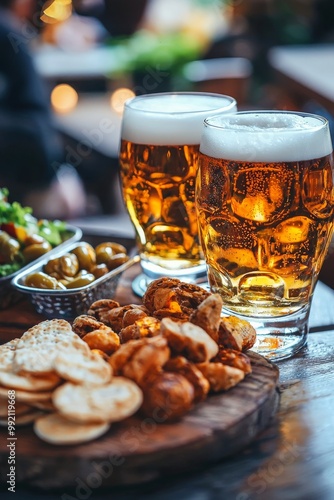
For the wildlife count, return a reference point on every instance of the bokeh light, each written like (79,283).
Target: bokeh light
(118,98)
(64,98)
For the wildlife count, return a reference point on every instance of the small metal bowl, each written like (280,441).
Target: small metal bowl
(72,302)
(9,295)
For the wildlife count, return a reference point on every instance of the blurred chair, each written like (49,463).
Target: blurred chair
(226,75)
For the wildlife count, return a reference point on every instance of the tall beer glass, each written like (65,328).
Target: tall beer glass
(264,197)
(158,156)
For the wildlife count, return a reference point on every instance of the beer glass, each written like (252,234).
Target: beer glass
(158,157)
(264,200)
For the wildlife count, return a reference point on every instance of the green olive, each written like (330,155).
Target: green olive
(100,270)
(103,254)
(68,264)
(81,281)
(34,251)
(115,247)
(52,267)
(9,248)
(86,256)
(117,260)
(33,239)
(42,280)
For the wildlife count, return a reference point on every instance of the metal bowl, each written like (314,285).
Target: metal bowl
(72,302)
(9,295)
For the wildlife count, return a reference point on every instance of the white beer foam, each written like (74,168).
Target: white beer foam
(171,119)
(266,137)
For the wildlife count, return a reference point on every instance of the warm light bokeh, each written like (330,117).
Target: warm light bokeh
(118,98)
(64,98)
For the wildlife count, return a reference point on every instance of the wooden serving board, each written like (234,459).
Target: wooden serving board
(141,449)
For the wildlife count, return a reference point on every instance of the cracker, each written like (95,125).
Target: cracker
(26,396)
(25,419)
(7,355)
(80,367)
(56,429)
(105,403)
(39,359)
(20,408)
(28,382)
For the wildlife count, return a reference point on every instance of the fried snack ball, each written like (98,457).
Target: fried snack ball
(168,396)
(236,333)
(114,317)
(221,377)
(207,315)
(85,323)
(133,315)
(234,358)
(147,361)
(174,295)
(104,340)
(181,365)
(188,340)
(144,327)
(100,309)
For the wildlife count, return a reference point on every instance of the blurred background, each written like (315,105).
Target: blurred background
(67,67)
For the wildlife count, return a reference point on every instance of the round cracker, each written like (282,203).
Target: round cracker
(80,367)
(20,408)
(39,359)
(7,355)
(26,396)
(28,382)
(105,403)
(25,419)
(56,429)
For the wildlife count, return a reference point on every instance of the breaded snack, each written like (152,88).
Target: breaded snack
(85,323)
(100,309)
(144,327)
(114,318)
(106,341)
(188,340)
(236,333)
(181,365)
(221,377)
(148,360)
(207,315)
(169,396)
(234,358)
(172,294)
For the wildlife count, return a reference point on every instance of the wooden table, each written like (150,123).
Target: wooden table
(306,72)
(292,459)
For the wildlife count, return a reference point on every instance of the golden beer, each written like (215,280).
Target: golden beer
(264,198)
(159,159)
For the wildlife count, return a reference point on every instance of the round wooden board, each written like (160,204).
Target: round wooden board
(141,449)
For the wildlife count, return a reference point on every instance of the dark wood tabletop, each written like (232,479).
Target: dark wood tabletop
(293,458)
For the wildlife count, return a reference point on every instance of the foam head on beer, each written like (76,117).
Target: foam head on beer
(266,137)
(164,119)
